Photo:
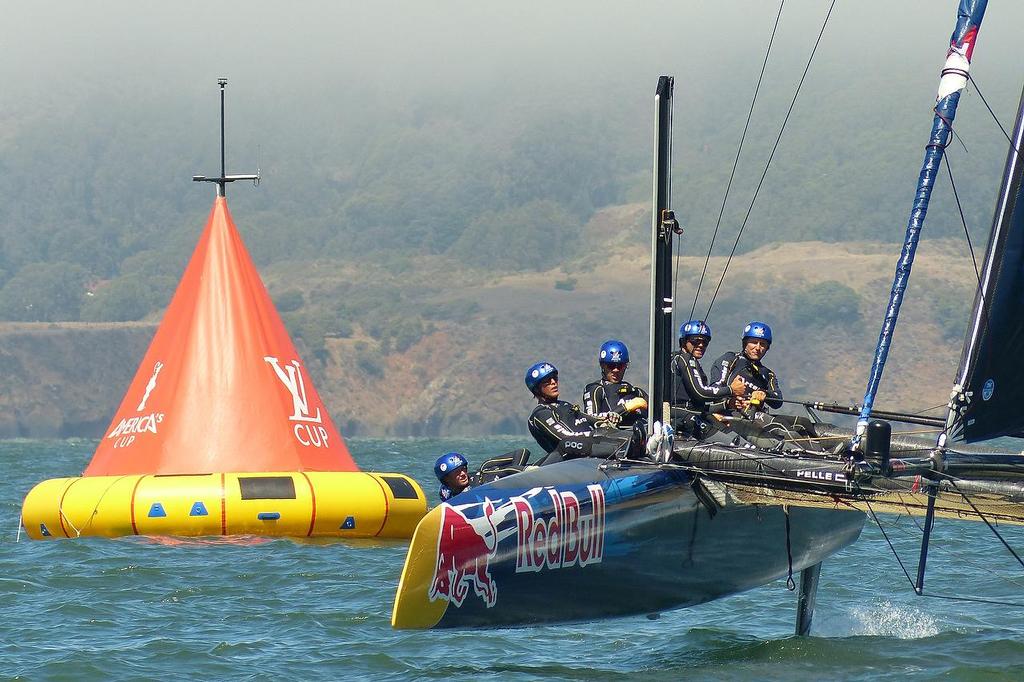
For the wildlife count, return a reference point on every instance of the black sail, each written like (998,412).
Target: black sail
(991,370)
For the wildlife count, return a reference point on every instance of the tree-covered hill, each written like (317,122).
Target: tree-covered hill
(477,176)
(491,151)
(422,350)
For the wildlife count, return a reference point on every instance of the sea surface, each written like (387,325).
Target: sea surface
(138,608)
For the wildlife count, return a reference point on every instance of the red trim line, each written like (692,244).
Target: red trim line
(135,529)
(60,507)
(312,494)
(386,507)
(223,506)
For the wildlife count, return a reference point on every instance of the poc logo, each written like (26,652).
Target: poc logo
(574,445)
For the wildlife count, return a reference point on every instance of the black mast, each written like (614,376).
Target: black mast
(663,224)
(224,177)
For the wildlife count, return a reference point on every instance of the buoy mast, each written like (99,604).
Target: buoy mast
(224,177)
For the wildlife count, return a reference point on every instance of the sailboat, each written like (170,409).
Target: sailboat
(222,432)
(552,544)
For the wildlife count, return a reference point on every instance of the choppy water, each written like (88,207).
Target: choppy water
(137,608)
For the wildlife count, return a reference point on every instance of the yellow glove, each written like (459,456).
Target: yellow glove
(635,405)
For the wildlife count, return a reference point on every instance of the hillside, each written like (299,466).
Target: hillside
(429,348)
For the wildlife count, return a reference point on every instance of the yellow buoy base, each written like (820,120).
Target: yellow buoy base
(336,504)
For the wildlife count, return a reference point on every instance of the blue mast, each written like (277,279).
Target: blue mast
(953,80)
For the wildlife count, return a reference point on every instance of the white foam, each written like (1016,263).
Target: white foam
(880,619)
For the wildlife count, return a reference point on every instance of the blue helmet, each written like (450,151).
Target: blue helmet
(758,330)
(613,351)
(538,373)
(695,328)
(448,463)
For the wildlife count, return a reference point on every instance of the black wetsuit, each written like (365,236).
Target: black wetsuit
(609,396)
(565,432)
(694,396)
(756,376)
(693,391)
(759,427)
(555,423)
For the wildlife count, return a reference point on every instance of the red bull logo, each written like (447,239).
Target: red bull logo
(568,538)
(464,552)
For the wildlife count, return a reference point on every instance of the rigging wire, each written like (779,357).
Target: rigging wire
(736,161)
(978,600)
(963,221)
(967,559)
(984,304)
(985,102)
(977,511)
(771,156)
(967,235)
(874,517)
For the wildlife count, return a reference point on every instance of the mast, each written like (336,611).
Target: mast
(224,177)
(663,226)
(953,80)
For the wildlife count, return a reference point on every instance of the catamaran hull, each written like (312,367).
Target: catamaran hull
(589,539)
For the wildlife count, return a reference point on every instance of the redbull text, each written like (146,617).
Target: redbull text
(568,538)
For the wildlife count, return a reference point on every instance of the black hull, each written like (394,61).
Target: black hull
(645,539)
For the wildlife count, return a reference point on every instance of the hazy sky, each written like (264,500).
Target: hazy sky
(305,71)
(312,49)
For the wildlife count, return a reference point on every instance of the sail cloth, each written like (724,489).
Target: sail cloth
(991,373)
(221,388)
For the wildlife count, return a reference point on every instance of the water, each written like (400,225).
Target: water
(136,608)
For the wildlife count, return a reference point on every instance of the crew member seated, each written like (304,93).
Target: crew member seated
(750,418)
(613,398)
(452,470)
(565,431)
(746,365)
(695,398)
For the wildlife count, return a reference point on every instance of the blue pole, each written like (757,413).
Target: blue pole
(954,78)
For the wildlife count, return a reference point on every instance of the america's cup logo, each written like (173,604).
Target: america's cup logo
(128,428)
(150,386)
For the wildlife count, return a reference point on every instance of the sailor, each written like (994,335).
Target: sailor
(695,398)
(746,365)
(750,414)
(613,398)
(557,426)
(452,470)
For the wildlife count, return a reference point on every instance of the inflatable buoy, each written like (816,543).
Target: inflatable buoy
(340,504)
(222,432)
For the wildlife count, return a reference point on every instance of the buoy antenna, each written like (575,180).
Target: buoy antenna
(224,178)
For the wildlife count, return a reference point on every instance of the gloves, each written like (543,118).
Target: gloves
(635,405)
(659,445)
(608,419)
